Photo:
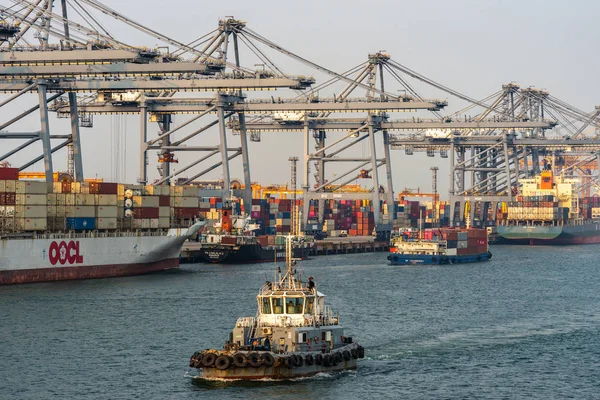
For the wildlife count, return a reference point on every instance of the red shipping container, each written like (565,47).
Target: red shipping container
(107,188)
(165,201)
(145,212)
(66,187)
(10,199)
(185,212)
(9,174)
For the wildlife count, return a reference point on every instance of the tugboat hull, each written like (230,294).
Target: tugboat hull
(276,373)
(256,365)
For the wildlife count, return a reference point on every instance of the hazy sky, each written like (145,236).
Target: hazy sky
(471,46)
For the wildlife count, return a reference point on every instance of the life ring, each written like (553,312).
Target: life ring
(347,356)
(240,360)
(298,360)
(254,360)
(354,353)
(209,360)
(267,359)
(395,258)
(361,352)
(318,359)
(389,258)
(309,359)
(223,362)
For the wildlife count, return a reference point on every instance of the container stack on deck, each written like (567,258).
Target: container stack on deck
(536,208)
(460,241)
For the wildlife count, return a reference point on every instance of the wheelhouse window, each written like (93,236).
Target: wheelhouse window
(266,305)
(277,305)
(294,305)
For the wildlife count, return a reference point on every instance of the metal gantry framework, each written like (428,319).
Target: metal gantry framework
(78,69)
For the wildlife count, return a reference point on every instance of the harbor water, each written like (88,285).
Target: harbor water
(524,325)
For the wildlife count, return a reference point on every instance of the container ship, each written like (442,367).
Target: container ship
(548,212)
(233,240)
(439,246)
(82,230)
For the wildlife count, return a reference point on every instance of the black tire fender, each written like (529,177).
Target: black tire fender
(254,360)
(347,356)
(309,359)
(267,359)
(240,360)
(223,362)
(209,360)
(319,359)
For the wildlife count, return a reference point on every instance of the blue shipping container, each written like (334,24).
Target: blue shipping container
(81,224)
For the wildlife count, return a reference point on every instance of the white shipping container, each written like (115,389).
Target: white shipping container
(106,223)
(164,222)
(154,223)
(164,212)
(69,199)
(81,211)
(184,202)
(51,199)
(107,211)
(451,252)
(31,224)
(57,187)
(51,211)
(462,244)
(31,211)
(61,211)
(32,199)
(145,223)
(2,185)
(107,199)
(85,199)
(145,201)
(7,211)
(31,187)
(11,186)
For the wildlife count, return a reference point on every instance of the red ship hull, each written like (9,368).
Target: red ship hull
(84,272)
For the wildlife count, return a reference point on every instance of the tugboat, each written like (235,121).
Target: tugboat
(294,334)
